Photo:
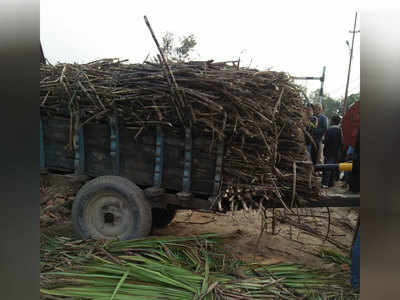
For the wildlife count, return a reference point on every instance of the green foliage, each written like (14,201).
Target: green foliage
(333,106)
(335,257)
(352,99)
(168,44)
(178,51)
(186,46)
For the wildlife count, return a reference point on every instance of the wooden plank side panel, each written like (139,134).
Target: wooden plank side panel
(203,168)
(137,159)
(137,155)
(173,167)
(56,138)
(173,138)
(203,171)
(97,148)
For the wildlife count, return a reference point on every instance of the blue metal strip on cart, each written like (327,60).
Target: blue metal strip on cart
(79,145)
(187,172)
(159,158)
(114,137)
(218,167)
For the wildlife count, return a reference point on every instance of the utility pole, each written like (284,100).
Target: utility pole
(42,58)
(351,58)
(322,79)
(321,91)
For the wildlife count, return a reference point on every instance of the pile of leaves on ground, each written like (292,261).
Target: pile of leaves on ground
(174,268)
(259,116)
(56,201)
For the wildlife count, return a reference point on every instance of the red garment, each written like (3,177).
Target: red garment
(351,124)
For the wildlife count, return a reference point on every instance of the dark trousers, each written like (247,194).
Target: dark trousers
(329,177)
(355,263)
(314,153)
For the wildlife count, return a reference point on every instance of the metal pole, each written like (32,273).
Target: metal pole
(42,58)
(348,72)
(321,91)
(322,79)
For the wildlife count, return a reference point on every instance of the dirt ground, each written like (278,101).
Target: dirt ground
(288,243)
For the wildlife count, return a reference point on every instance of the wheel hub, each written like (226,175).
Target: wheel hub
(109,216)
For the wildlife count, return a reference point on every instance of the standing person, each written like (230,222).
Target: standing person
(333,144)
(319,132)
(355,252)
(310,143)
(355,173)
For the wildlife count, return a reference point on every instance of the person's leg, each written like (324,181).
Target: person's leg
(332,174)
(337,176)
(314,151)
(320,159)
(355,263)
(317,154)
(308,146)
(326,175)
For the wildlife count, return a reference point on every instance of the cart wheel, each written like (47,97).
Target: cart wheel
(162,217)
(111,207)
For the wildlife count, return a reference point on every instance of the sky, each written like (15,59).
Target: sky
(297,37)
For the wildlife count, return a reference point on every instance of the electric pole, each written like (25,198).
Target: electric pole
(42,58)
(322,79)
(321,91)
(351,58)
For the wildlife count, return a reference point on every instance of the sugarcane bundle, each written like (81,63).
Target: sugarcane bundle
(258,115)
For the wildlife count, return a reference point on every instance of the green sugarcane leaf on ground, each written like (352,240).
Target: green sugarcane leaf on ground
(123,278)
(182,269)
(204,286)
(335,257)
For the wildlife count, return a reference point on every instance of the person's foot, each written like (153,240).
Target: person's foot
(325,186)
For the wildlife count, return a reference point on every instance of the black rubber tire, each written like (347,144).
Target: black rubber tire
(111,207)
(163,217)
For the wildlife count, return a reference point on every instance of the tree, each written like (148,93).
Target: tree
(178,52)
(353,98)
(303,91)
(331,106)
